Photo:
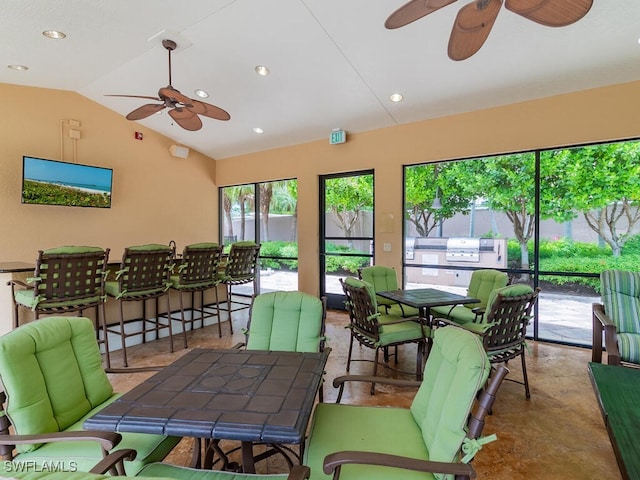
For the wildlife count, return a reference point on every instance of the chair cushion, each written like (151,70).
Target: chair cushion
(401,310)
(85,454)
(175,283)
(72,249)
(508,291)
(338,427)
(162,470)
(382,278)
(459,313)
(482,283)
(155,470)
(390,334)
(457,368)
(354,282)
(60,376)
(288,321)
(621,299)
(112,288)
(203,245)
(25,297)
(629,346)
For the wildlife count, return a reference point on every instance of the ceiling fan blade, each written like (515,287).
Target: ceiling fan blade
(145,111)
(551,13)
(471,28)
(412,11)
(135,96)
(186,119)
(202,108)
(174,95)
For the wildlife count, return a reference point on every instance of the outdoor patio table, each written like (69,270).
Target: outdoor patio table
(425,298)
(252,396)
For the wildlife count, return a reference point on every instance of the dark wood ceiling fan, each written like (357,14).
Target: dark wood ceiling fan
(182,109)
(474,21)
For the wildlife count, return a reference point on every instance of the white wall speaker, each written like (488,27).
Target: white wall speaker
(179,151)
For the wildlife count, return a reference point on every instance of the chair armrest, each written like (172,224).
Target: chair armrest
(479,312)
(299,472)
(114,462)
(334,461)
(443,322)
(339,382)
(134,369)
(108,440)
(602,322)
(18,283)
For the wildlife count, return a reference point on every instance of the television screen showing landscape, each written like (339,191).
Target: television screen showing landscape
(50,182)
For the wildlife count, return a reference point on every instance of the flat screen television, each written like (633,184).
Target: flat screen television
(51,182)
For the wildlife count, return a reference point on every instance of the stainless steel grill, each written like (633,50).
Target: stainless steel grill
(463,249)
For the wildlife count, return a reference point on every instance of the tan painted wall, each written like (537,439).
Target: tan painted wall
(589,116)
(156,197)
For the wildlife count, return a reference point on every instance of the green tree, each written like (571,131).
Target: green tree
(425,183)
(604,183)
(346,198)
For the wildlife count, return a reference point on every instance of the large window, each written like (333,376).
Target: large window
(553,219)
(273,224)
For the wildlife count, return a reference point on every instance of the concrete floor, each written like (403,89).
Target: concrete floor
(557,434)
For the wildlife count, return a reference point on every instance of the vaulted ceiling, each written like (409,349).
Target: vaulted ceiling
(332,62)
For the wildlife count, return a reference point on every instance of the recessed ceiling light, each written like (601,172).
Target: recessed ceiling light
(258,130)
(202,93)
(396,97)
(262,70)
(55,34)
(21,68)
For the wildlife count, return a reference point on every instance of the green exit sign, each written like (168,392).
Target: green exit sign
(337,136)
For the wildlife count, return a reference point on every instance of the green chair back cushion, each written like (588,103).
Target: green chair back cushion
(354,282)
(508,291)
(621,300)
(482,283)
(286,321)
(382,279)
(457,368)
(52,373)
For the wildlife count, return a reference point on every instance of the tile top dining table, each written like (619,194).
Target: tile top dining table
(425,298)
(246,395)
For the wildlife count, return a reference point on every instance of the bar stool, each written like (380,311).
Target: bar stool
(66,280)
(144,275)
(197,272)
(240,269)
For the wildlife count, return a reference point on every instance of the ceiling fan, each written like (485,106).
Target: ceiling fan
(183,110)
(474,21)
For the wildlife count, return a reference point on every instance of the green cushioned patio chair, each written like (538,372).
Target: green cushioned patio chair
(375,330)
(114,463)
(503,328)
(240,268)
(481,285)
(52,378)
(618,317)
(197,271)
(144,275)
(383,278)
(66,280)
(435,438)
